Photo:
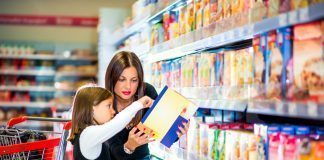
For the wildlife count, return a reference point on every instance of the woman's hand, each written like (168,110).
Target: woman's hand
(137,139)
(183,130)
(146,101)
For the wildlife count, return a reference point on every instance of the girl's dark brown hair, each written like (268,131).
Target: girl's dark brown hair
(82,114)
(118,63)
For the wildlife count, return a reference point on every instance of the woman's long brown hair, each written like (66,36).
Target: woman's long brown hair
(118,63)
(82,114)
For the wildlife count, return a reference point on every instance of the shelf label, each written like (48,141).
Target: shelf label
(304,15)
(240,32)
(279,107)
(221,38)
(231,35)
(283,21)
(312,109)
(293,17)
(250,29)
(292,108)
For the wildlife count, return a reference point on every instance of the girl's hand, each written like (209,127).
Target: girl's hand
(146,101)
(137,139)
(183,130)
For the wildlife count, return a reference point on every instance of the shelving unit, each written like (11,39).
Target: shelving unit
(47,57)
(28,72)
(211,37)
(196,41)
(46,79)
(122,35)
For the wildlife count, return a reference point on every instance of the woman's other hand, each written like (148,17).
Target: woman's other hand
(183,130)
(138,138)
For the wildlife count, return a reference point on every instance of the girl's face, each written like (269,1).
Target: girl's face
(104,111)
(127,84)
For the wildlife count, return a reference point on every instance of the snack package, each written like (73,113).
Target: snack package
(299,4)
(182,20)
(193,140)
(259,11)
(198,14)
(273,8)
(226,8)
(308,59)
(206,13)
(284,42)
(274,67)
(190,16)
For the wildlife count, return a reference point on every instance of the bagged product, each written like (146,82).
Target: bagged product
(308,59)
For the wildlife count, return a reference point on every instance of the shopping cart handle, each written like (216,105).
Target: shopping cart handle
(17,120)
(67,125)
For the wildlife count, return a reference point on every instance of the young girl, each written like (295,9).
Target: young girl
(93,122)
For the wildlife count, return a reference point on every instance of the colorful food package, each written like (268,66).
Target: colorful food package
(259,10)
(273,8)
(299,4)
(205,137)
(198,14)
(193,140)
(166,25)
(237,6)
(308,58)
(216,10)
(182,20)
(226,8)
(259,61)
(284,42)
(174,25)
(229,68)
(190,16)
(274,66)
(206,13)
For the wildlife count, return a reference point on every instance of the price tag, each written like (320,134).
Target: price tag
(304,14)
(292,108)
(279,107)
(283,21)
(240,32)
(312,109)
(293,17)
(221,38)
(231,35)
(250,29)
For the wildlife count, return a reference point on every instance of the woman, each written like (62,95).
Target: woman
(124,76)
(93,121)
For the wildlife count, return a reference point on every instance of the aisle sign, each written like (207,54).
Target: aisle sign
(41,20)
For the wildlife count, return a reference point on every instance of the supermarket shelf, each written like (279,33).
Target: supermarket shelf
(77,58)
(218,98)
(75,74)
(28,88)
(140,50)
(162,152)
(229,105)
(34,89)
(125,33)
(31,57)
(28,72)
(33,105)
(195,41)
(308,110)
(47,57)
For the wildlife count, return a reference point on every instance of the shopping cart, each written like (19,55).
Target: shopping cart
(23,144)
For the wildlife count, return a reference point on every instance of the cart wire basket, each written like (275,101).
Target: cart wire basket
(26,144)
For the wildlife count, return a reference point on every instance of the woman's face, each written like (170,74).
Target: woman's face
(104,111)
(127,84)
